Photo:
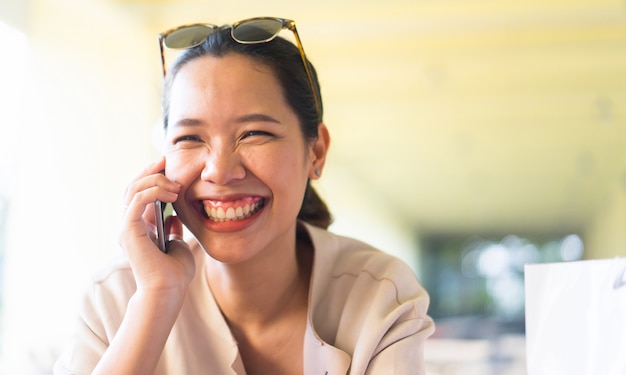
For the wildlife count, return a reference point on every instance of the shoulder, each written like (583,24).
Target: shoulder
(363,298)
(107,293)
(115,267)
(115,275)
(350,272)
(339,256)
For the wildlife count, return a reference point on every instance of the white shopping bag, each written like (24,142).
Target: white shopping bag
(576,317)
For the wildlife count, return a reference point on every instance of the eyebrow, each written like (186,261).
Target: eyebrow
(187,122)
(253,117)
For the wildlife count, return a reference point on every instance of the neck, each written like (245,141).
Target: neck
(263,289)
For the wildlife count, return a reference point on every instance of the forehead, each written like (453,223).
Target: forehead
(232,82)
(231,70)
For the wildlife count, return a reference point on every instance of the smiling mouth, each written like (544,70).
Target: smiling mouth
(221,211)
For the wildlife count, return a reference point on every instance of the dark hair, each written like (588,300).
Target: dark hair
(284,59)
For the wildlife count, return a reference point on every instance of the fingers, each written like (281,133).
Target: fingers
(149,186)
(140,196)
(152,188)
(151,177)
(152,169)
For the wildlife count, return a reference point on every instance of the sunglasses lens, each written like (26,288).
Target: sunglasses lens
(257,30)
(187,37)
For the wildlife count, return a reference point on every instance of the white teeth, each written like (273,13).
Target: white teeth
(230,213)
(218,214)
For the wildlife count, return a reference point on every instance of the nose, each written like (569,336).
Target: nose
(222,167)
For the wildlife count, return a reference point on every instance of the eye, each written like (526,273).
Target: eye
(256,137)
(187,138)
(254,133)
(186,141)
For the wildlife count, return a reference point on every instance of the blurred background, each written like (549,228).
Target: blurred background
(469,138)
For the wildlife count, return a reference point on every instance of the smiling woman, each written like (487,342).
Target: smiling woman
(261,287)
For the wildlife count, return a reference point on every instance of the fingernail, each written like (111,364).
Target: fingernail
(174,237)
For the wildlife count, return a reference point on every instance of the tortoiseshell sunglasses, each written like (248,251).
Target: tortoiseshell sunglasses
(249,31)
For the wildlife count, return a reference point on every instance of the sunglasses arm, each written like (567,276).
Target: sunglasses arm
(161,37)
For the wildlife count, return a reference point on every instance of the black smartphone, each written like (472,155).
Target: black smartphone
(159,220)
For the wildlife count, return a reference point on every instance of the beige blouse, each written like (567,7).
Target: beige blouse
(367,315)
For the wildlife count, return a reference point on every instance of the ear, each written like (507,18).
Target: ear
(319,149)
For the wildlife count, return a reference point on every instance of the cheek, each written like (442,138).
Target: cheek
(282,164)
(181,167)
(287,174)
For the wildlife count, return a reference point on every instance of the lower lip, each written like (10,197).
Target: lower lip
(233,225)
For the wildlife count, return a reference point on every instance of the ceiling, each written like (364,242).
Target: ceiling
(463,116)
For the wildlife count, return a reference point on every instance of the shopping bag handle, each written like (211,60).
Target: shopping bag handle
(620,281)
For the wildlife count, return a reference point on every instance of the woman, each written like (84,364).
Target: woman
(263,287)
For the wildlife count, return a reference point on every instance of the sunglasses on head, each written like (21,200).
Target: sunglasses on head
(249,31)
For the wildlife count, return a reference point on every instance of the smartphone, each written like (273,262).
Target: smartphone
(159,219)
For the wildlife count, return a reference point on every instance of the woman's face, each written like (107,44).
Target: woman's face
(236,147)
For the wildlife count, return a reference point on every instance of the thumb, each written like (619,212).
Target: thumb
(174,228)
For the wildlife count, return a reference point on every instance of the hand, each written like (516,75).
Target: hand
(154,270)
